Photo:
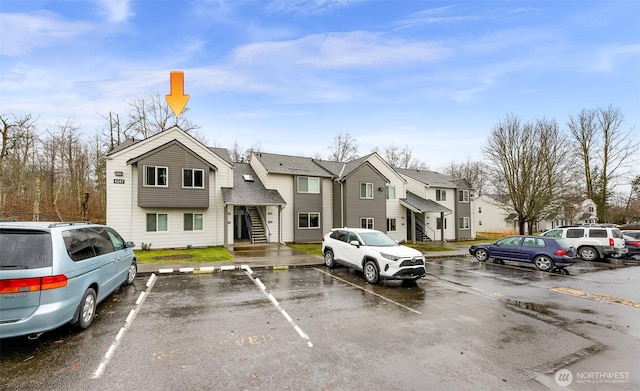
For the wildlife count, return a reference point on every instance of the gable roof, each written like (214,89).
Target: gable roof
(164,146)
(251,193)
(291,165)
(429,178)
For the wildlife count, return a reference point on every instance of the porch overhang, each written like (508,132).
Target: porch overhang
(420,205)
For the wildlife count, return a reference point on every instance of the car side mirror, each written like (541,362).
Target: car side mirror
(130,244)
(355,243)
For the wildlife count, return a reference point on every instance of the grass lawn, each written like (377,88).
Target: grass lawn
(177,255)
(307,248)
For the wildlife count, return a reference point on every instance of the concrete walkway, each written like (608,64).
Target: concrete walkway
(271,256)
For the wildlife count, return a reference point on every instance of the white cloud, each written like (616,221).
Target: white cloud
(21,32)
(116,11)
(340,50)
(307,6)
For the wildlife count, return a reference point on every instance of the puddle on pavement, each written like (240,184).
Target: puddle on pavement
(535,307)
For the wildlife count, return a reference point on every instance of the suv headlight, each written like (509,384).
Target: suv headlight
(389,256)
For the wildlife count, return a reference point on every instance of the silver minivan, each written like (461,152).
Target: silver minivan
(52,274)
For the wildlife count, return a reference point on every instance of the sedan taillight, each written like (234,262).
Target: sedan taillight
(634,244)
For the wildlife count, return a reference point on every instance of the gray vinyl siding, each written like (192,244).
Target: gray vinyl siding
(337,206)
(306,203)
(463,209)
(356,208)
(175,158)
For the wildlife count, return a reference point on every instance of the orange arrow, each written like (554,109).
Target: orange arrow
(177,100)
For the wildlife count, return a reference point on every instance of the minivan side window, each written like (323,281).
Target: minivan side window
(78,245)
(118,242)
(575,233)
(101,240)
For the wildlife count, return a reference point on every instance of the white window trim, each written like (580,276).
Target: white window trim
(193,222)
(367,219)
(367,184)
(441,195)
(316,179)
(309,219)
(193,170)
(396,224)
(465,196)
(465,223)
(157,214)
(395,195)
(144,174)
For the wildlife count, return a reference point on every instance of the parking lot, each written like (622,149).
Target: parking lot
(465,326)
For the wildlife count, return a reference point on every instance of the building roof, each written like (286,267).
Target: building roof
(291,165)
(430,178)
(247,192)
(420,205)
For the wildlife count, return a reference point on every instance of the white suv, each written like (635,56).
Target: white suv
(592,242)
(374,253)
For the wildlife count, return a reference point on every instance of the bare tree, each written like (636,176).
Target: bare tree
(605,151)
(344,148)
(473,172)
(148,116)
(528,160)
(401,158)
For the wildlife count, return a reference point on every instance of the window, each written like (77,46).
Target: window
(193,222)
(156,222)
(575,233)
(391,193)
(308,220)
(192,178)
(308,185)
(463,195)
(391,225)
(463,223)
(533,242)
(366,222)
(155,176)
(366,190)
(597,233)
(590,209)
(439,223)
(441,195)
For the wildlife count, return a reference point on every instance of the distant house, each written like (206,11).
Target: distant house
(170,190)
(494,216)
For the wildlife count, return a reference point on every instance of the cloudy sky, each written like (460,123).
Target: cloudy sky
(290,75)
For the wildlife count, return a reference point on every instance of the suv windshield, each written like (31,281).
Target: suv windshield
(377,239)
(25,249)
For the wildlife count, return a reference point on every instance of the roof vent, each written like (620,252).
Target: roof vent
(248,178)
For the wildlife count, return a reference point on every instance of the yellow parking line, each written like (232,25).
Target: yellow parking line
(595,296)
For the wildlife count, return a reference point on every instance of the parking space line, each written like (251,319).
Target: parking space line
(508,267)
(275,303)
(128,321)
(595,296)
(373,293)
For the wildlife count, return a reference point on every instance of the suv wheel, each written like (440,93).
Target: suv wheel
(87,309)
(328,259)
(543,263)
(371,273)
(588,253)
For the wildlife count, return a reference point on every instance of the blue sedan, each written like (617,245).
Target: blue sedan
(546,253)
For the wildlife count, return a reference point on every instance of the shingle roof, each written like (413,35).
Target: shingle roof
(431,178)
(246,192)
(292,165)
(420,205)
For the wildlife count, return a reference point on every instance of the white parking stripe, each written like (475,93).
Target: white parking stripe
(373,293)
(107,357)
(273,300)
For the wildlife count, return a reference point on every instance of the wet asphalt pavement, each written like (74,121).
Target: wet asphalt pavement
(466,325)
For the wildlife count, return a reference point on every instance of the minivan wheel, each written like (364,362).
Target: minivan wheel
(133,272)
(588,253)
(371,273)
(87,309)
(328,259)
(543,263)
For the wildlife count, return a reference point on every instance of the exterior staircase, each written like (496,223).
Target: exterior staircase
(256,230)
